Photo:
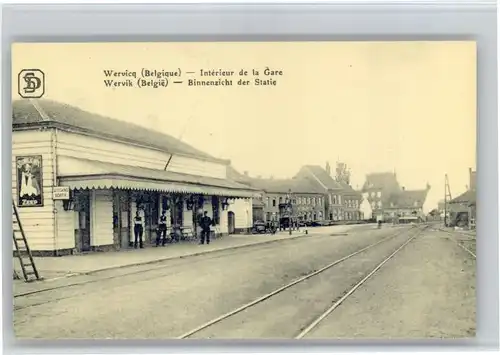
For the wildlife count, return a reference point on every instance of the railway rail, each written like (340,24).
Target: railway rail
(467,250)
(149,273)
(418,229)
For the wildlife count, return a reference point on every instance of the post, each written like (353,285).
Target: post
(290,212)
(445,203)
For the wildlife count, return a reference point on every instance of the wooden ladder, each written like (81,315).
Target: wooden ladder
(23,253)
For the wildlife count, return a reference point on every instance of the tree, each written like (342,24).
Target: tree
(342,173)
(434,212)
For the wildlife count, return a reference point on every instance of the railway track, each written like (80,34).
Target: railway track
(413,232)
(461,245)
(148,272)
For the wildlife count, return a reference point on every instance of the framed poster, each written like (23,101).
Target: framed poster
(29,181)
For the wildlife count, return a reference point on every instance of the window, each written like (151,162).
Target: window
(274,202)
(294,201)
(379,194)
(334,199)
(267,201)
(330,200)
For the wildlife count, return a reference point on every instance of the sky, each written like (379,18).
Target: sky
(408,107)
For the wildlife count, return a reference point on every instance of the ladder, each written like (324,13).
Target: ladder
(22,250)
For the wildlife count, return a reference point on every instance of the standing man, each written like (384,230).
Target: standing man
(138,229)
(205,224)
(162,229)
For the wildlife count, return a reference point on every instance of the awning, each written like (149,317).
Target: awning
(98,175)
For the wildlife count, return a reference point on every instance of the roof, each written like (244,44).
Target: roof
(468,197)
(408,198)
(322,177)
(285,185)
(348,190)
(52,113)
(94,168)
(233,174)
(381,181)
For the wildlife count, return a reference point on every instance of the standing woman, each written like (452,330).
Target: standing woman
(138,230)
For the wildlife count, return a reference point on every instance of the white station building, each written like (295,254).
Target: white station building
(78,179)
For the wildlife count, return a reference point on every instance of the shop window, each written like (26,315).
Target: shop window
(215,210)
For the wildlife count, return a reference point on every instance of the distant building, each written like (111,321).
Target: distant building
(330,188)
(308,201)
(462,208)
(365,208)
(378,187)
(406,205)
(391,202)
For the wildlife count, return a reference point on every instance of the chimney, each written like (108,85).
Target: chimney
(470,178)
(328,169)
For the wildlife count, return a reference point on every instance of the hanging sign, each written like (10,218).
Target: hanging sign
(61,193)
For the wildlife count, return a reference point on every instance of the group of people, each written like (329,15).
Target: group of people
(161,235)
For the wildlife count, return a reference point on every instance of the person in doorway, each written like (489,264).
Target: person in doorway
(138,230)
(205,224)
(162,229)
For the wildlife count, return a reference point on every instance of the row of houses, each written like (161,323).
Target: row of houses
(313,193)
(389,201)
(79,179)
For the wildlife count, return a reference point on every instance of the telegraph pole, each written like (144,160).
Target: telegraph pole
(290,211)
(447,198)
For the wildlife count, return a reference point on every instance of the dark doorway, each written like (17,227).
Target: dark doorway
(82,233)
(230,222)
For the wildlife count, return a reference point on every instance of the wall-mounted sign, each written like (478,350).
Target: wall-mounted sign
(61,193)
(29,181)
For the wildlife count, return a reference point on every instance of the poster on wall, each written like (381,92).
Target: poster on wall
(29,181)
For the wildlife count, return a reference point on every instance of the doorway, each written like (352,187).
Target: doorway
(230,222)
(83,231)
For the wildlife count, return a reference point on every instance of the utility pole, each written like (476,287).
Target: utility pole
(290,211)
(447,198)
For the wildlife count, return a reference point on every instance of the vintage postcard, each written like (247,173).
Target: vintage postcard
(244,190)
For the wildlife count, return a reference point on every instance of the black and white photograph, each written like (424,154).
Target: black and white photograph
(244,190)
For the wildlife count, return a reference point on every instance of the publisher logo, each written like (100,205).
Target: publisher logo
(31,83)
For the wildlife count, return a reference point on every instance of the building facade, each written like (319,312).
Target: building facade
(79,179)
(308,202)
(462,209)
(342,202)
(391,202)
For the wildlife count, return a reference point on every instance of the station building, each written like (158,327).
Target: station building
(78,179)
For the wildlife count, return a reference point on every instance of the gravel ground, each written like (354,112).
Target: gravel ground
(166,302)
(426,291)
(287,313)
